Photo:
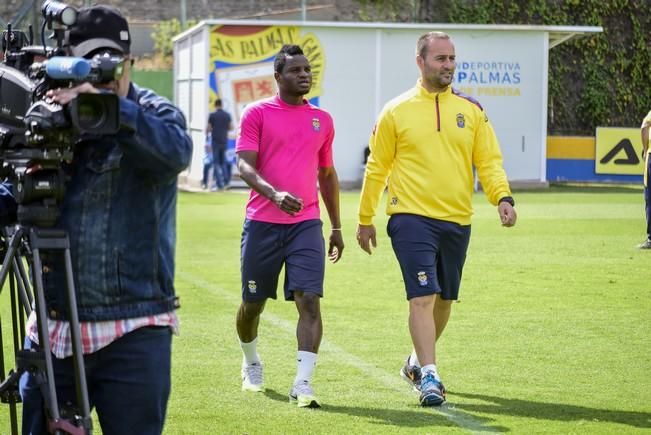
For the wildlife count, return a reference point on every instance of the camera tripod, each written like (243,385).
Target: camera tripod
(24,244)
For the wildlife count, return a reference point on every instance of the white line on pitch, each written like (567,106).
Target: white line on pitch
(460,418)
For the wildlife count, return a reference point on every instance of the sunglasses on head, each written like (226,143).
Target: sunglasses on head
(108,66)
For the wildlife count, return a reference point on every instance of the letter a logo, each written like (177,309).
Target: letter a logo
(629,149)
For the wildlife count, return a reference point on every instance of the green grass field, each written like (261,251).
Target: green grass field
(551,334)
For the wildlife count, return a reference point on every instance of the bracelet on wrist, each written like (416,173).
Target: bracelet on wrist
(507,199)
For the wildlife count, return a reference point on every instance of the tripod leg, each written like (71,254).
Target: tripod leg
(52,239)
(24,290)
(10,254)
(17,342)
(9,393)
(44,336)
(38,384)
(75,331)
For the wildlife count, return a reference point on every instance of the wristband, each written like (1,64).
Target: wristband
(335,229)
(508,199)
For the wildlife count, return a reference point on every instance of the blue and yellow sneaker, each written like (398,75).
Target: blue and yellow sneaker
(432,391)
(411,374)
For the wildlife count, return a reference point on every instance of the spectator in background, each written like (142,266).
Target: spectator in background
(219,124)
(646,154)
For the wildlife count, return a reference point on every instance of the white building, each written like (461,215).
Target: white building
(358,67)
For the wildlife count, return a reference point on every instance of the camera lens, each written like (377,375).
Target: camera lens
(91,113)
(95,113)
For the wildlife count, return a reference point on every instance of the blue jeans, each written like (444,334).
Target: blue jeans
(207,166)
(128,384)
(227,171)
(218,159)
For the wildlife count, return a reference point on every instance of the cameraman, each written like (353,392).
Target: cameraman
(119,212)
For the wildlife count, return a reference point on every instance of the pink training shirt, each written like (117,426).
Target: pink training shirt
(292,143)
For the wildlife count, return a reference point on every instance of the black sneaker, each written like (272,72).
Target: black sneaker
(411,374)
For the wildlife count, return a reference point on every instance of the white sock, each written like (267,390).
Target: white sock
(413,359)
(250,352)
(430,368)
(305,363)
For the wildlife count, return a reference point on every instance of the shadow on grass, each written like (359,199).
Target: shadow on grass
(275,395)
(551,411)
(419,417)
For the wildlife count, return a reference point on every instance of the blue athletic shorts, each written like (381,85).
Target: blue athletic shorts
(267,247)
(431,254)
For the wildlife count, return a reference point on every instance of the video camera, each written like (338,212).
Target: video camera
(37,135)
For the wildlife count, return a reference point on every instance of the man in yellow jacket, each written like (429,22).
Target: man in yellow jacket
(425,143)
(646,155)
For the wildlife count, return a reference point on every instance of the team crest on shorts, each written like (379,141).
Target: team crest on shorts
(422,279)
(316,124)
(253,287)
(461,120)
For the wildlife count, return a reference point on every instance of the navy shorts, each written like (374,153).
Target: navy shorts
(267,247)
(431,254)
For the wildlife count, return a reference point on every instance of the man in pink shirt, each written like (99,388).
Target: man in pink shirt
(285,154)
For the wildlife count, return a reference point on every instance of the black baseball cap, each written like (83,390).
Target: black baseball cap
(99,27)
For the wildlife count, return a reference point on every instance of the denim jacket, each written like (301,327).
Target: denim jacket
(119,211)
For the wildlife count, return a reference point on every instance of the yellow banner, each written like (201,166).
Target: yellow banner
(618,151)
(252,47)
(257,46)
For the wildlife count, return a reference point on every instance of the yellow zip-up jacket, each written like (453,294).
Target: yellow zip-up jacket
(426,144)
(647,122)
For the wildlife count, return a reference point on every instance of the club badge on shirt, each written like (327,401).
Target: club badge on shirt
(461,120)
(316,124)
